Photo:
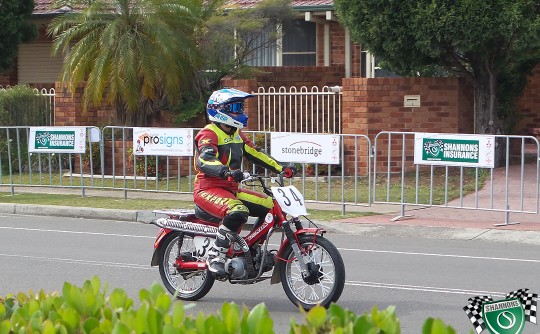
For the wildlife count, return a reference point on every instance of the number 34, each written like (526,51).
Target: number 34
(286,200)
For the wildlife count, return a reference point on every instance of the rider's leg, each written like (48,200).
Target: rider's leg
(236,216)
(257,203)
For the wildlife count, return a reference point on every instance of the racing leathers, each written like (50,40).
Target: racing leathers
(217,154)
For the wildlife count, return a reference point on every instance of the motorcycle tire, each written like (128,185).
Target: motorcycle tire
(185,285)
(327,273)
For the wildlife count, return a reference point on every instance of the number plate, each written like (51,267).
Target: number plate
(202,245)
(291,200)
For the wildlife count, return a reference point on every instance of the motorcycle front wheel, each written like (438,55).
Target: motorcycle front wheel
(326,278)
(185,285)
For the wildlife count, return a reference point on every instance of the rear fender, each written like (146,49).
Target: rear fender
(276,278)
(161,234)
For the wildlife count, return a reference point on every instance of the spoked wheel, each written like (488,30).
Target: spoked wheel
(326,273)
(186,285)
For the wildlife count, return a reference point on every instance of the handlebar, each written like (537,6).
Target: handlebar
(260,178)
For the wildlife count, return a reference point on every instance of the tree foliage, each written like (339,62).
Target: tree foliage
(16,29)
(494,44)
(228,40)
(134,54)
(144,56)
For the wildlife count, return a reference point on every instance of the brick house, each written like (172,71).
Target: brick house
(319,53)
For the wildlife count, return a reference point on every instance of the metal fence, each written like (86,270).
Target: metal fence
(307,110)
(50,104)
(380,173)
(514,187)
(110,164)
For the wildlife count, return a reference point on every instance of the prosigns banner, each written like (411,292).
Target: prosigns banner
(163,141)
(306,148)
(454,150)
(60,139)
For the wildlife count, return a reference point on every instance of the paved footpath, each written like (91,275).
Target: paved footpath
(429,222)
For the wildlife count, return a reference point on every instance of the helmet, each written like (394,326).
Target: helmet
(227,106)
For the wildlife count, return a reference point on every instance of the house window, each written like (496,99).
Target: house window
(299,45)
(262,55)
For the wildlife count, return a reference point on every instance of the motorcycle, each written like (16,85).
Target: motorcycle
(307,264)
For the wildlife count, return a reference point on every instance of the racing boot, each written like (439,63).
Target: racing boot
(218,252)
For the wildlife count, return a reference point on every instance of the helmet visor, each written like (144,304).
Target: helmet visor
(234,108)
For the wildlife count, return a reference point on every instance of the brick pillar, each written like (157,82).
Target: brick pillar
(354,119)
(69,109)
(64,111)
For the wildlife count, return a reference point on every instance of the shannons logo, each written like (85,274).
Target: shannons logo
(42,138)
(507,316)
(303,148)
(434,147)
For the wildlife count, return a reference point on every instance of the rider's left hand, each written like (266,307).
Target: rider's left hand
(289,171)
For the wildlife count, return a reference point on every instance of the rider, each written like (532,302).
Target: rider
(220,147)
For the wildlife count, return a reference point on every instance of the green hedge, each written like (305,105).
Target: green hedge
(22,106)
(90,309)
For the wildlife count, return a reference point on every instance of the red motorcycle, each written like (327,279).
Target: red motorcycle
(307,264)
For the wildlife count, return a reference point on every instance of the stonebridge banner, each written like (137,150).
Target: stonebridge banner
(454,150)
(60,139)
(304,147)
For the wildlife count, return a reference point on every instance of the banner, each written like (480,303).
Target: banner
(454,150)
(60,139)
(306,148)
(163,141)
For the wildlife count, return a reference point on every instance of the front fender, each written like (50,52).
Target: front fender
(276,277)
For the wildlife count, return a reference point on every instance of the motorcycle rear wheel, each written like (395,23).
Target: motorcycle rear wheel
(326,266)
(183,285)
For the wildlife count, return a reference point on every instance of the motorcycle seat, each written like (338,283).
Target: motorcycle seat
(201,214)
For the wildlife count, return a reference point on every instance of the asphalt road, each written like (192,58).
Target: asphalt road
(422,277)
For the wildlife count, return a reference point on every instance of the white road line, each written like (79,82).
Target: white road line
(341,249)
(423,288)
(440,255)
(378,285)
(76,232)
(87,262)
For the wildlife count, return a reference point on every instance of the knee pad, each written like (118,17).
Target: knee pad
(236,216)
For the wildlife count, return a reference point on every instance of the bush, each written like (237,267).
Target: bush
(21,106)
(89,309)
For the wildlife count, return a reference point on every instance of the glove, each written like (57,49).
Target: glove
(289,171)
(234,175)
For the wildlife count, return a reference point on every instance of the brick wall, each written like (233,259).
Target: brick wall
(298,76)
(337,48)
(373,105)
(529,106)
(9,78)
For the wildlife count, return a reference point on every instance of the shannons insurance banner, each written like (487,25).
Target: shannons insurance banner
(60,139)
(163,141)
(454,150)
(306,148)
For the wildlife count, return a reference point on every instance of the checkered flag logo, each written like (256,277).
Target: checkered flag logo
(474,312)
(528,300)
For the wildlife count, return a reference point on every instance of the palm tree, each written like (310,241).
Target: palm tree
(134,54)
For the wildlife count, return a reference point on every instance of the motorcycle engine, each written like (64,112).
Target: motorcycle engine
(236,267)
(269,259)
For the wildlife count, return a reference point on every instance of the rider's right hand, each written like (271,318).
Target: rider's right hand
(234,175)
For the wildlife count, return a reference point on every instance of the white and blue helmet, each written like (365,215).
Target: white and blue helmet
(227,106)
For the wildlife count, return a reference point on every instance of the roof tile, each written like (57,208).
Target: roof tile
(44,6)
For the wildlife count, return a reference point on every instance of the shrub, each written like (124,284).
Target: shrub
(21,106)
(88,309)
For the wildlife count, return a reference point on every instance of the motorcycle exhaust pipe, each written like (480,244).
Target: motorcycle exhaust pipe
(186,227)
